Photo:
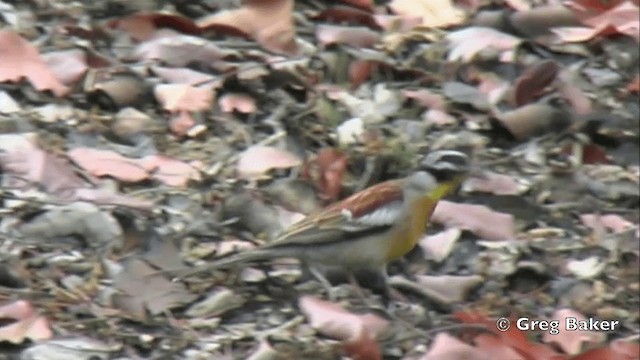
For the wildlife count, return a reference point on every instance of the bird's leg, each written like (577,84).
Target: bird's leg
(356,286)
(403,263)
(321,279)
(389,293)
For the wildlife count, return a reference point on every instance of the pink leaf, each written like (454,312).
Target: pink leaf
(478,219)
(257,160)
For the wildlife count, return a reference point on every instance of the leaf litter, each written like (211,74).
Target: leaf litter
(140,139)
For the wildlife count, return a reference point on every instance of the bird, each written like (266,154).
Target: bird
(366,230)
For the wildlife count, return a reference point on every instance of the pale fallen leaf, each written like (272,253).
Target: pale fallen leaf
(354,36)
(216,303)
(241,103)
(575,33)
(478,219)
(181,97)
(587,268)
(269,22)
(622,18)
(434,13)
(350,131)
(373,107)
(7,104)
(181,123)
(186,76)
(170,171)
(498,348)
(427,98)
(438,117)
(179,50)
(438,246)
(571,341)
(449,289)
(67,65)
(397,23)
(109,163)
(334,321)
(73,347)
(466,43)
(18,59)
(258,160)
(612,222)
(447,347)
(28,325)
(494,183)
(26,165)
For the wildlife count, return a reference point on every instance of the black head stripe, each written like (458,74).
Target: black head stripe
(451,161)
(445,164)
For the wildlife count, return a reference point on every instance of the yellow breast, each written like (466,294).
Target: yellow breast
(412,228)
(406,236)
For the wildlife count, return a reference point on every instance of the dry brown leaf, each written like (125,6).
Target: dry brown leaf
(326,172)
(634,85)
(478,219)
(534,80)
(142,26)
(533,120)
(269,22)
(434,13)
(362,4)
(346,15)
(142,290)
(18,59)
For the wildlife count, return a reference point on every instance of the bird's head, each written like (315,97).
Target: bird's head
(439,172)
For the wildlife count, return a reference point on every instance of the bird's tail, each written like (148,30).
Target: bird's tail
(225,262)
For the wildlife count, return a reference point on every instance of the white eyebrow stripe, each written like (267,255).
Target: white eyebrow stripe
(449,152)
(445,165)
(436,157)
